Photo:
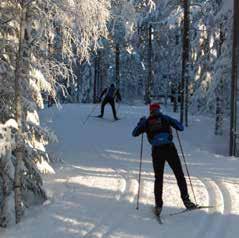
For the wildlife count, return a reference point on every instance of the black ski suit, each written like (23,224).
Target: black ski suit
(111,94)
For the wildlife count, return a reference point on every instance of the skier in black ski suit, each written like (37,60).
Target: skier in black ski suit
(111,94)
(159,133)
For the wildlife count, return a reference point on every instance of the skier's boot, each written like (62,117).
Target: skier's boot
(157,211)
(100,116)
(189,205)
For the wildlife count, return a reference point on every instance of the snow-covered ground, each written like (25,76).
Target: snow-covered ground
(94,191)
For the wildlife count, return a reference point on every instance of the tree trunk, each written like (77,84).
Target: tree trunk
(78,81)
(20,70)
(219,108)
(103,72)
(149,79)
(235,54)
(99,73)
(185,59)
(117,66)
(95,80)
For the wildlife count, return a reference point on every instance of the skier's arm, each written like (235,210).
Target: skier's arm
(173,122)
(140,128)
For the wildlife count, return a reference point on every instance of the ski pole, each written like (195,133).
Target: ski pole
(186,167)
(140,168)
(89,115)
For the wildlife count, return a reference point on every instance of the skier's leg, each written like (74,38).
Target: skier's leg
(175,164)
(103,107)
(112,103)
(158,165)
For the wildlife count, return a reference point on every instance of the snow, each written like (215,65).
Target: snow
(5,136)
(94,191)
(227,5)
(44,167)
(11,123)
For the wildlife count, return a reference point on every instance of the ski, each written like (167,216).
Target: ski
(159,217)
(98,117)
(189,210)
(106,119)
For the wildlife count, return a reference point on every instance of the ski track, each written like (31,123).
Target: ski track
(205,221)
(216,199)
(222,225)
(211,225)
(104,228)
(101,218)
(100,227)
(215,226)
(128,193)
(214,222)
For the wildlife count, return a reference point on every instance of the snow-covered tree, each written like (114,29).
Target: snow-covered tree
(7,144)
(211,62)
(32,35)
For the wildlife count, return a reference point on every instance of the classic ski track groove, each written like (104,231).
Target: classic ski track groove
(209,227)
(214,224)
(129,196)
(104,230)
(100,225)
(101,229)
(222,227)
(119,195)
(215,197)
(232,191)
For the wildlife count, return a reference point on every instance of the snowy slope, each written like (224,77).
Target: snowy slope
(94,191)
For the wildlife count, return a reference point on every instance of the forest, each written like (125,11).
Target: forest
(58,54)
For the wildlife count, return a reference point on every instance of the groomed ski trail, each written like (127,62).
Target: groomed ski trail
(93,193)
(117,217)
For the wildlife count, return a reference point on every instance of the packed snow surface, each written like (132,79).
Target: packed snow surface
(94,191)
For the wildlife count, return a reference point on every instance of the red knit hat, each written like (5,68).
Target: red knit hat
(154,106)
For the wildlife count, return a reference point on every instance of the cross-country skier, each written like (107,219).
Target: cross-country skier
(111,94)
(159,133)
